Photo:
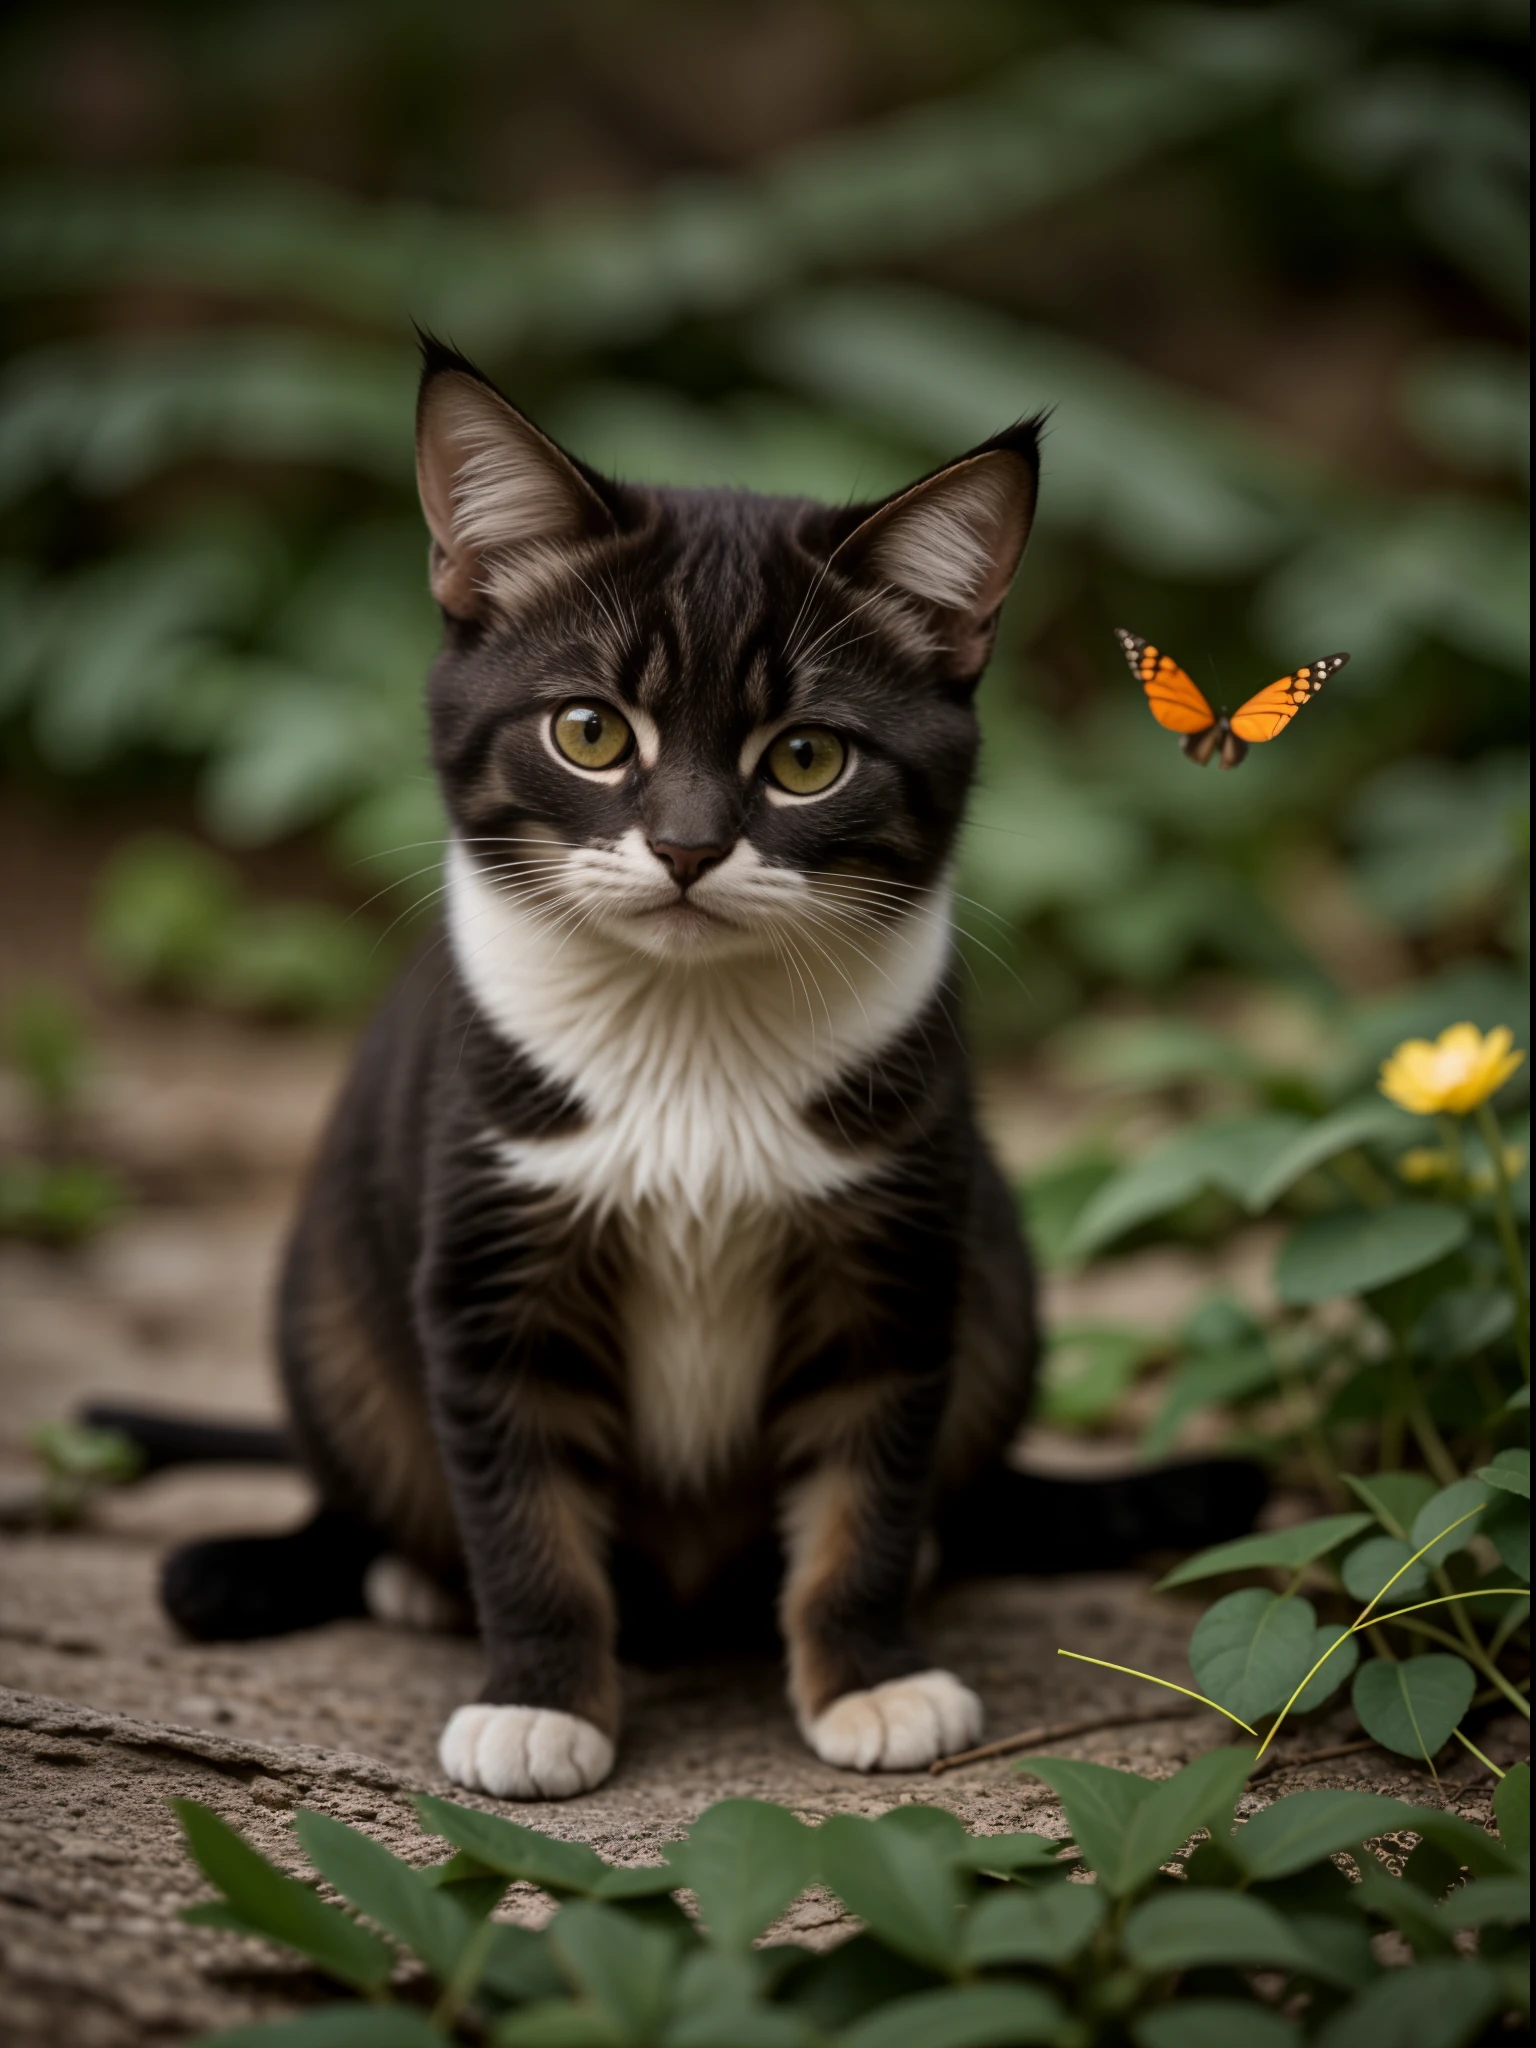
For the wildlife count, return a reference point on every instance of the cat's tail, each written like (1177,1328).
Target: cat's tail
(1008,1521)
(162,1440)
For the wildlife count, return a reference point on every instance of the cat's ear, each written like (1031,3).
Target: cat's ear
(952,543)
(500,499)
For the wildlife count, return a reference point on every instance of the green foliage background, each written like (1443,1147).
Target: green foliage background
(1267,265)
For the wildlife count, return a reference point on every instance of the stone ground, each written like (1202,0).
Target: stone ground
(105,1713)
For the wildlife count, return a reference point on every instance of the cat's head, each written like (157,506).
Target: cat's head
(699,721)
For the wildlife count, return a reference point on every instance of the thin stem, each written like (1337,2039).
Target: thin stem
(1298,1400)
(466,1975)
(1450,1130)
(1517,1613)
(1378,1596)
(1466,1743)
(1104,1665)
(1427,1628)
(1509,1236)
(1422,1423)
(1473,1648)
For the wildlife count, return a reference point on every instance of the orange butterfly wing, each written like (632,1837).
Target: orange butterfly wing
(1270,710)
(1172,697)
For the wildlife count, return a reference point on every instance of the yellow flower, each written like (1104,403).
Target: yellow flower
(1458,1072)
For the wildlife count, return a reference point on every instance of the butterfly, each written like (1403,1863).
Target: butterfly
(1179,706)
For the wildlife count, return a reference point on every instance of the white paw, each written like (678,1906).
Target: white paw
(523,1752)
(898,1726)
(396,1593)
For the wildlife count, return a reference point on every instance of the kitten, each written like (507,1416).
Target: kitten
(653,1239)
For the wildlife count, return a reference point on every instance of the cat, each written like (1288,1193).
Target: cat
(654,1269)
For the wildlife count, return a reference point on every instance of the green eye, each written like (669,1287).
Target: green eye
(806,761)
(592,735)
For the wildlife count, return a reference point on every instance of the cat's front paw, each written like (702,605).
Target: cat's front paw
(523,1752)
(898,1726)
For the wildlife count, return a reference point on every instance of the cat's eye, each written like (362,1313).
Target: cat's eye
(806,760)
(592,735)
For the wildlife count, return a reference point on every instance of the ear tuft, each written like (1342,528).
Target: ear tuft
(952,543)
(946,545)
(499,497)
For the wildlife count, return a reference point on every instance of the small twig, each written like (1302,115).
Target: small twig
(1058,1731)
(1275,1762)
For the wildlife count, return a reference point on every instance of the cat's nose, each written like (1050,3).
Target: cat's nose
(687,863)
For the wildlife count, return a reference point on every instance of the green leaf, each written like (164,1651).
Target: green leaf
(1332,1669)
(745,1861)
(1086,1371)
(1052,1202)
(1288,1549)
(1202,1795)
(1099,1803)
(1462,1322)
(1445,1522)
(518,1966)
(1198,1929)
(519,1852)
(1357,1123)
(941,1832)
(841,1984)
(1413,1706)
(1251,1650)
(1006,1855)
(1208,1379)
(334,2026)
(1470,1847)
(974,2016)
(560,2023)
(718,2000)
(1410,1911)
(1490,1901)
(1433,2005)
(891,1880)
(1046,1926)
(1507,1525)
(1512,1809)
(279,1906)
(1126,1828)
(1233,1156)
(1214,2023)
(1339,1941)
(1394,1498)
(1304,1827)
(1352,1252)
(626,1967)
(1375,1563)
(1510,1472)
(404,1902)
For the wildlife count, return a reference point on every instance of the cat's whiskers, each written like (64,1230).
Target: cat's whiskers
(805,655)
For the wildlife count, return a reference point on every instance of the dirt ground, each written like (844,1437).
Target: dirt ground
(105,1713)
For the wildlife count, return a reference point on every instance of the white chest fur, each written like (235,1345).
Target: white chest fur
(695,1075)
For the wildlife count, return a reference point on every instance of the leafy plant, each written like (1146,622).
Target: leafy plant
(1431,1571)
(1256,1934)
